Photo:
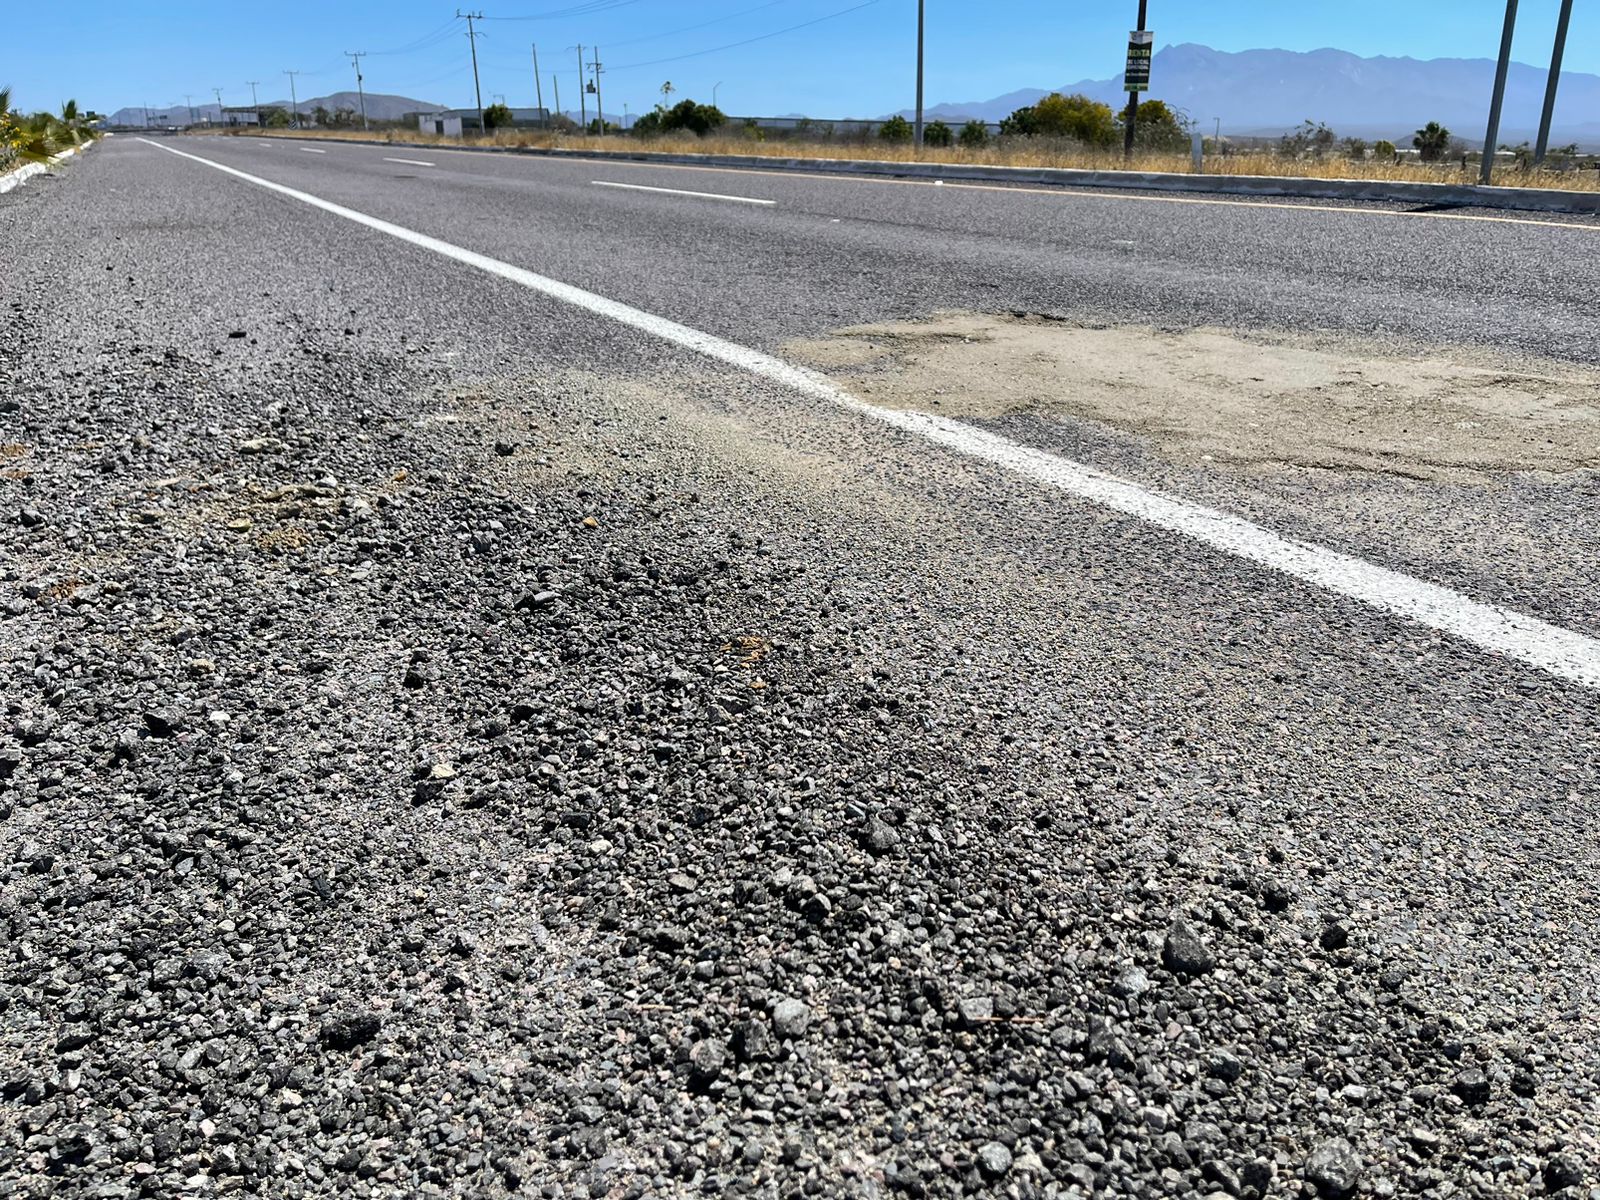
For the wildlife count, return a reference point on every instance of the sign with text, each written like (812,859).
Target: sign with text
(1137,72)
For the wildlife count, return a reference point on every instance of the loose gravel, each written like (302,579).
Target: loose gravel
(418,783)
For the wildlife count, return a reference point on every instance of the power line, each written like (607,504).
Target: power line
(655,37)
(655,62)
(431,38)
(577,10)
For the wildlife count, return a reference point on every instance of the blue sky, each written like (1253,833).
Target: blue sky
(857,63)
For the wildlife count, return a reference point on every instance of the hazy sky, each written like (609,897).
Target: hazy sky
(857,59)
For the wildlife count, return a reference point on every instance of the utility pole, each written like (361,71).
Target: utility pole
(355,61)
(188,102)
(538,88)
(555,79)
(472,38)
(583,100)
(255,102)
(1491,139)
(917,131)
(1132,115)
(714,88)
(217,92)
(1554,81)
(294,101)
(599,96)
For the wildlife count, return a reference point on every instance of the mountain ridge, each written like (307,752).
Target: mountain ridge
(1267,91)
(381,106)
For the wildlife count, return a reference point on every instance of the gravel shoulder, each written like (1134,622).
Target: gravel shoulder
(436,763)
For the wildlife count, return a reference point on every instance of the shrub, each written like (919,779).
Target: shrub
(896,129)
(937,133)
(1158,126)
(698,119)
(1355,148)
(974,134)
(1384,151)
(1076,117)
(1312,139)
(496,116)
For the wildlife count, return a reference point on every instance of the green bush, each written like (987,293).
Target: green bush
(1432,142)
(896,129)
(496,116)
(698,119)
(1159,126)
(1076,117)
(1383,151)
(937,133)
(974,134)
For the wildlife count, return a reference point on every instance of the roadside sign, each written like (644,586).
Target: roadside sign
(1137,72)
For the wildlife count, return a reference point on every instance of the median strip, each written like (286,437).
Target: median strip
(639,187)
(1561,652)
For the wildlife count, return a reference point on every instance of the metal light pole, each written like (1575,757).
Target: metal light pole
(1132,116)
(1554,81)
(917,130)
(355,60)
(1491,139)
(538,88)
(472,39)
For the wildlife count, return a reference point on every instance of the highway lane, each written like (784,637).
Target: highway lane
(1076,724)
(838,252)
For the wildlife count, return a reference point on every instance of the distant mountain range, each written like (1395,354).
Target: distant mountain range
(379,108)
(1265,92)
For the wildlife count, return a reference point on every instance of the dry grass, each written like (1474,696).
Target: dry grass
(1010,153)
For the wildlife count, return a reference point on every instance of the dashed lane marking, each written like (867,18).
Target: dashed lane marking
(639,187)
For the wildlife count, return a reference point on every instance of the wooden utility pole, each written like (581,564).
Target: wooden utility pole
(1130,119)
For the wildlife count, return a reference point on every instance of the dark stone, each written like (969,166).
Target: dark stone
(1183,952)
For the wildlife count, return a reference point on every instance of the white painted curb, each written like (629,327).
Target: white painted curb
(15,179)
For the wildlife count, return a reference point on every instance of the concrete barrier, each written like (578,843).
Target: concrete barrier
(1442,195)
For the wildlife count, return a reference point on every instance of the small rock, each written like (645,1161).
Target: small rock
(533,600)
(1562,1171)
(1132,983)
(1472,1085)
(879,838)
(791,1018)
(994,1160)
(261,445)
(1334,936)
(349,1031)
(1183,953)
(977,1010)
(31,517)
(706,1060)
(1334,1167)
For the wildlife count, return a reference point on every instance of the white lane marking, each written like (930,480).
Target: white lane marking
(1561,652)
(309,150)
(414,162)
(639,187)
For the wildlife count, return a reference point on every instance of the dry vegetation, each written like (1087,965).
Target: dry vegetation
(1010,152)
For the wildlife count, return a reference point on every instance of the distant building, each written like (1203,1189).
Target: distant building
(452,122)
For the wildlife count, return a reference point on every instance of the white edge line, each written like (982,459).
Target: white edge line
(312,150)
(414,162)
(639,187)
(1562,652)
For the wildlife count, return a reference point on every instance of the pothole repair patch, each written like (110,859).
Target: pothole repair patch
(1249,399)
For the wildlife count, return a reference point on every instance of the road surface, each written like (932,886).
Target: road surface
(479,720)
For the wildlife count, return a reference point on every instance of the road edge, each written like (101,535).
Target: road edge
(1443,195)
(21,175)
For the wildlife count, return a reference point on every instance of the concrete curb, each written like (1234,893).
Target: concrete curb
(1443,195)
(20,176)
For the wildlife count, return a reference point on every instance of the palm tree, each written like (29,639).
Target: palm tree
(1432,141)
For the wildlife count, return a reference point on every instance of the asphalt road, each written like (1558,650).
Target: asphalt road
(463,744)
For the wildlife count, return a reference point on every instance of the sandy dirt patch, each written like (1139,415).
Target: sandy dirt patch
(1250,399)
